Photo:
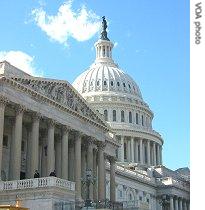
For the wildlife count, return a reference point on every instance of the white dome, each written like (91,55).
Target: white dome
(105,77)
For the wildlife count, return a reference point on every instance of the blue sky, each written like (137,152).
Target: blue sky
(152,46)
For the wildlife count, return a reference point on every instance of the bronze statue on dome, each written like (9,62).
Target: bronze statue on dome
(104,27)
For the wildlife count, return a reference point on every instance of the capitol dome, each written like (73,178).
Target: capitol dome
(117,97)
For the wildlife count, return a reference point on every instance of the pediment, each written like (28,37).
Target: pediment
(63,93)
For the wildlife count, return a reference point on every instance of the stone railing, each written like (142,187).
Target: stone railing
(129,172)
(37,183)
(174,182)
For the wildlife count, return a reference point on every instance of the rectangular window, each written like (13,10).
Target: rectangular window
(5,141)
(137,120)
(142,120)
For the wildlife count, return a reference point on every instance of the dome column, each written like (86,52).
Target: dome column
(141,150)
(154,154)
(148,152)
(132,149)
(122,149)
(136,151)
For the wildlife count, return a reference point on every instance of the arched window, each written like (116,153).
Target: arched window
(130,117)
(112,83)
(114,115)
(137,118)
(105,83)
(105,115)
(103,51)
(118,84)
(122,116)
(142,120)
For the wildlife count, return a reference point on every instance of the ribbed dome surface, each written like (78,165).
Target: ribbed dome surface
(102,77)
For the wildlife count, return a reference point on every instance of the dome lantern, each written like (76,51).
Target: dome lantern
(104,46)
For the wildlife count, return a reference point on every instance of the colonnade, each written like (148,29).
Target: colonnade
(173,202)
(139,150)
(69,158)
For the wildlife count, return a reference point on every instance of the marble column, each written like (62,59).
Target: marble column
(180,203)
(58,154)
(128,150)
(95,174)
(171,203)
(50,148)
(34,145)
(148,152)
(176,203)
(101,172)
(154,154)
(122,149)
(112,179)
(64,153)
(78,165)
(161,155)
(2,109)
(90,163)
(141,151)
(16,144)
(184,204)
(158,154)
(136,151)
(132,150)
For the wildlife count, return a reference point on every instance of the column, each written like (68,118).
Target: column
(64,154)
(148,152)
(58,155)
(2,109)
(122,149)
(112,179)
(16,145)
(136,151)
(50,148)
(184,204)
(71,160)
(154,154)
(101,172)
(83,169)
(90,164)
(132,150)
(128,150)
(158,154)
(78,166)
(141,151)
(34,145)
(176,204)
(171,203)
(95,174)
(180,203)
(161,155)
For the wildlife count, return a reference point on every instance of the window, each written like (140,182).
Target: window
(142,120)
(118,84)
(105,83)
(147,200)
(137,120)
(124,84)
(22,146)
(125,151)
(130,117)
(103,51)
(5,141)
(129,86)
(105,115)
(140,198)
(112,83)
(98,83)
(114,115)
(122,116)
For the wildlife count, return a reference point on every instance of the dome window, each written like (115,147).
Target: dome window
(98,83)
(130,117)
(112,83)
(114,115)
(122,116)
(129,86)
(142,120)
(105,83)
(124,84)
(137,120)
(118,84)
(105,115)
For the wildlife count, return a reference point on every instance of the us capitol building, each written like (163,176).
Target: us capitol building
(96,135)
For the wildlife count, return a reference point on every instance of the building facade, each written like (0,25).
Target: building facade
(99,124)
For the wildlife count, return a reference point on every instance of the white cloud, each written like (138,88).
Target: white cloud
(115,44)
(20,60)
(66,24)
